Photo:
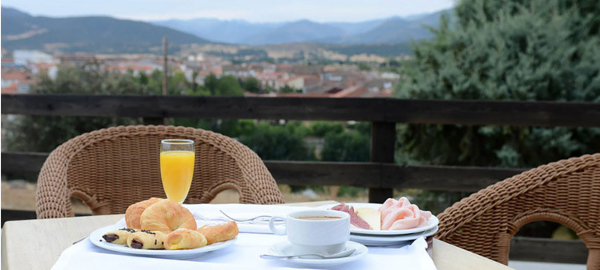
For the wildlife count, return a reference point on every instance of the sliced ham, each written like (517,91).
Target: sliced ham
(402,215)
(354,218)
(391,204)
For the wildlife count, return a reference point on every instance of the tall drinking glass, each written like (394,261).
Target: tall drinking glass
(177,167)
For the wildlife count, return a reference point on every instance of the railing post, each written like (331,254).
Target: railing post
(383,142)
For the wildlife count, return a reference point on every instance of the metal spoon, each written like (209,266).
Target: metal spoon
(342,254)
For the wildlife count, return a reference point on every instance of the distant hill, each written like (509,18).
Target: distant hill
(383,50)
(299,31)
(95,34)
(228,31)
(398,30)
(356,27)
(387,31)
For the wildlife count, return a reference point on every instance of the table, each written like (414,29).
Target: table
(37,244)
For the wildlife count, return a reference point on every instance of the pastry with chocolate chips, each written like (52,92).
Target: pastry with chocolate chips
(147,240)
(119,236)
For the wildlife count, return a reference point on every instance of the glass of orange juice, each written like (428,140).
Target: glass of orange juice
(177,167)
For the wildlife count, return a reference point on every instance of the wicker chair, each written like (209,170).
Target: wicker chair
(566,192)
(109,169)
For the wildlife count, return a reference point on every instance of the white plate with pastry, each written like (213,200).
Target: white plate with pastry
(374,220)
(97,239)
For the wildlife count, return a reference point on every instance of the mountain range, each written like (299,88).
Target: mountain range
(381,31)
(103,34)
(97,34)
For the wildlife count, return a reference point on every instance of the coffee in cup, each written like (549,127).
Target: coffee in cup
(315,231)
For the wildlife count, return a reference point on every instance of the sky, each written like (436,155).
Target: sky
(250,10)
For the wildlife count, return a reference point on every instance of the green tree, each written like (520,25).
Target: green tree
(322,128)
(346,146)
(252,85)
(289,89)
(224,86)
(505,50)
(229,86)
(45,133)
(153,84)
(364,66)
(276,142)
(363,128)
(214,86)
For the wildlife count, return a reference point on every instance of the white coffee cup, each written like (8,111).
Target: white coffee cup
(323,236)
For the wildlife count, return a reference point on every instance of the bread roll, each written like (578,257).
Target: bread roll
(219,231)
(185,239)
(167,216)
(118,236)
(134,211)
(146,240)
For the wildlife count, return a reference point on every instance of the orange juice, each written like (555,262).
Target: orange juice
(177,169)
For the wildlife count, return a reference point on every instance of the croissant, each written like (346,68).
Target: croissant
(185,239)
(134,211)
(219,231)
(146,240)
(167,216)
(118,236)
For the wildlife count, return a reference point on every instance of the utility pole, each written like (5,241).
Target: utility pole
(161,120)
(165,72)
(165,66)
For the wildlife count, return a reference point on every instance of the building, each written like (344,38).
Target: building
(136,70)
(16,82)
(295,82)
(78,59)
(23,57)
(50,69)
(274,80)
(238,71)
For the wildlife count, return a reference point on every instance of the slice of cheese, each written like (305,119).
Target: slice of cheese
(372,217)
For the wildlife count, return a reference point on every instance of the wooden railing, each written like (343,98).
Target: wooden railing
(380,175)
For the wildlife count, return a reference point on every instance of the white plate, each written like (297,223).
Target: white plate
(390,240)
(96,236)
(431,223)
(285,248)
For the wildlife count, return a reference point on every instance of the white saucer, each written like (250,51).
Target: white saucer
(285,248)
(406,239)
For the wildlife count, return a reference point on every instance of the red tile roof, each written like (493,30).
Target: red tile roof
(45,65)
(12,89)
(355,91)
(14,75)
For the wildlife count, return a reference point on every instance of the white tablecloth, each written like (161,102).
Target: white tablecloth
(244,254)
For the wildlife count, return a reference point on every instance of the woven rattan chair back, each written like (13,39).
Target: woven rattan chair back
(112,168)
(566,192)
